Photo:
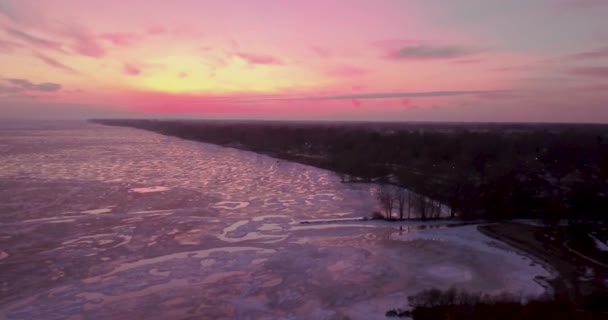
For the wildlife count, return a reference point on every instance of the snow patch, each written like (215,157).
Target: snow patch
(97,211)
(599,244)
(518,274)
(231,205)
(149,189)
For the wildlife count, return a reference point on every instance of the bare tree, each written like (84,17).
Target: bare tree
(401,198)
(421,205)
(410,203)
(387,202)
(435,209)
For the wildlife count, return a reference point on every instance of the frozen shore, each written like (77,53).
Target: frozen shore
(105,223)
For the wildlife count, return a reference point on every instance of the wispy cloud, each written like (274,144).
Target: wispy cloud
(262,59)
(136,68)
(54,63)
(389,95)
(156,30)
(321,51)
(596,72)
(346,71)
(431,52)
(582,4)
(121,39)
(22,12)
(467,61)
(8,46)
(4,89)
(16,85)
(35,41)
(521,68)
(131,69)
(599,53)
(83,41)
(30,25)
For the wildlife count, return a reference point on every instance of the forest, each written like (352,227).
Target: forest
(490,171)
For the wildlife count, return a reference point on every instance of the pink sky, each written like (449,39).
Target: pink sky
(396,60)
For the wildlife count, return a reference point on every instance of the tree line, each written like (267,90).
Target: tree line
(478,171)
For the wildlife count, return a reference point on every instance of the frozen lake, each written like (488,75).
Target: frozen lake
(116,223)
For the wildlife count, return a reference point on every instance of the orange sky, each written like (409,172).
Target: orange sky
(462,60)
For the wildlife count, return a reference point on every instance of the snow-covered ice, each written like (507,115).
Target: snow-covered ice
(519,273)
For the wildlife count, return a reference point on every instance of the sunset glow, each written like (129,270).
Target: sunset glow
(462,60)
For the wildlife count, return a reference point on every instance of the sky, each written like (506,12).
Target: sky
(361,60)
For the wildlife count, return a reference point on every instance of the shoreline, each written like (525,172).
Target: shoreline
(552,284)
(568,269)
(546,282)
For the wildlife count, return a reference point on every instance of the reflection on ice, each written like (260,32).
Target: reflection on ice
(97,211)
(231,205)
(146,226)
(179,255)
(149,189)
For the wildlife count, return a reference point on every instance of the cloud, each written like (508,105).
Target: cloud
(120,39)
(27,17)
(8,89)
(131,70)
(156,30)
(511,68)
(468,61)
(8,46)
(21,12)
(182,74)
(35,41)
(54,63)
(583,4)
(591,54)
(321,52)
(138,68)
(500,95)
(23,85)
(7,10)
(83,42)
(431,52)
(346,71)
(597,72)
(357,87)
(259,58)
(599,88)
(389,95)
(393,44)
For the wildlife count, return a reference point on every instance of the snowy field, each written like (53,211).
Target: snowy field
(115,223)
